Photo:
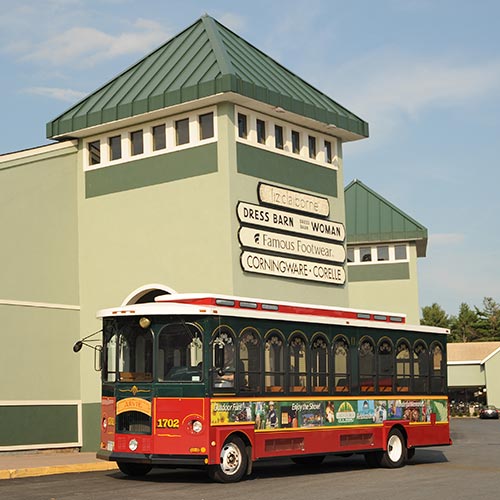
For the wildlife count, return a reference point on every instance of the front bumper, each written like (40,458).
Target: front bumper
(154,460)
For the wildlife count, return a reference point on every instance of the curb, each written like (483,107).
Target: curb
(56,469)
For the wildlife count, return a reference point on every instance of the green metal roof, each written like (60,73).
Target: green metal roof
(203,60)
(371,218)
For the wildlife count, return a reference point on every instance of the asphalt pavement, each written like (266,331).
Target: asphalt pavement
(45,463)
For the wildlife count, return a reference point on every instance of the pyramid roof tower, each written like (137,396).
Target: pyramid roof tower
(206,60)
(371,218)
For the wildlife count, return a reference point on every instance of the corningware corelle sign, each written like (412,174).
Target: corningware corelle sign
(293,200)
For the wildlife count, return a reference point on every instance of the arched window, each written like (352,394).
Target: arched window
(223,343)
(403,369)
(366,365)
(438,369)
(274,362)
(250,368)
(180,352)
(385,365)
(319,363)
(297,366)
(420,367)
(341,377)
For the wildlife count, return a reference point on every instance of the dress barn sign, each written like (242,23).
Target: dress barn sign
(291,244)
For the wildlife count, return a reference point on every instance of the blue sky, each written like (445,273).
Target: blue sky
(425,74)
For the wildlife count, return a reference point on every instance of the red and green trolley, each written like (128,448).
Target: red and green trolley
(221,382)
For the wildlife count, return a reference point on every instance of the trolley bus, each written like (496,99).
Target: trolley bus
(220,382)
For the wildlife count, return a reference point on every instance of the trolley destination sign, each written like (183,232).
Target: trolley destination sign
(274,265)
(257,215)
(290,244)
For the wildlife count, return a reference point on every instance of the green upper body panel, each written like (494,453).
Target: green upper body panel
(204,60)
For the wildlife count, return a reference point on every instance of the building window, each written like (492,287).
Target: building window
(350,255)
(182,131)
(328,152)
(400,252)
(94,152)
(261,131)
(159,138)
(206,126)
(365,254)
(383,253)
(312,147)
(278,136)
(115,146)
(137,143)
(295,142)
(242,126)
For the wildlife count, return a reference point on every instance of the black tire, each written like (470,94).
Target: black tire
(309,461)
(131,469)
(233,462)
(396,452)
(410,453)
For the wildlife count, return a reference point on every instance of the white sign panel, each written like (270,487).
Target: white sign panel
(289,244)
(273,265)
(294,200)
(286,221)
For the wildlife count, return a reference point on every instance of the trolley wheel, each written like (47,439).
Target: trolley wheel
(131,469)
(308,461)
(396,452)
(233,462)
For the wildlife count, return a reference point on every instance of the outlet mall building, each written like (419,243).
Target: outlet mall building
(205,167)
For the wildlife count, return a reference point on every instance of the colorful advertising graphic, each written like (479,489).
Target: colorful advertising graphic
(266,415)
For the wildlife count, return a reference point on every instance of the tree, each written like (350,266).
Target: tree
(464,327)
(489,319)
(435,315)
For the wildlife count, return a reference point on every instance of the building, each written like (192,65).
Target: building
(383,244)
(178,175)
(474,373)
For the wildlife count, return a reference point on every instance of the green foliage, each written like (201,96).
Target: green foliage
(470,325)
(435,315)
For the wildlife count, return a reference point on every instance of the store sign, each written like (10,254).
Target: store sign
(293,200)
(257,215)
(274,265)
(289,244)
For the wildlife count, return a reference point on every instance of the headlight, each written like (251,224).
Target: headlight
(197,426)
(132,445)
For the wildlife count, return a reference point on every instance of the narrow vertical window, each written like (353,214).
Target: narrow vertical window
(365,254)
(242,126)
(159,137)
(182,131)
(115,146)
(137,143)
(400,252)
(295,142)
(261,131)
(350,255)
(206,126)
(94,152)
(328,152)
(312,147)
(278,136)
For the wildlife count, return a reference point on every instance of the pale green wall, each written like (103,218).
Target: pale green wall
(492,376)
(39,228)
(243,187)
(393,295)
(466,376)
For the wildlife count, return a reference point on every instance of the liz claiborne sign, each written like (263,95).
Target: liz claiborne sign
(313,246)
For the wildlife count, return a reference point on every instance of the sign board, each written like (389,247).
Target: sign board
(257,215)
(289,244)
(274,265)
(293,200)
